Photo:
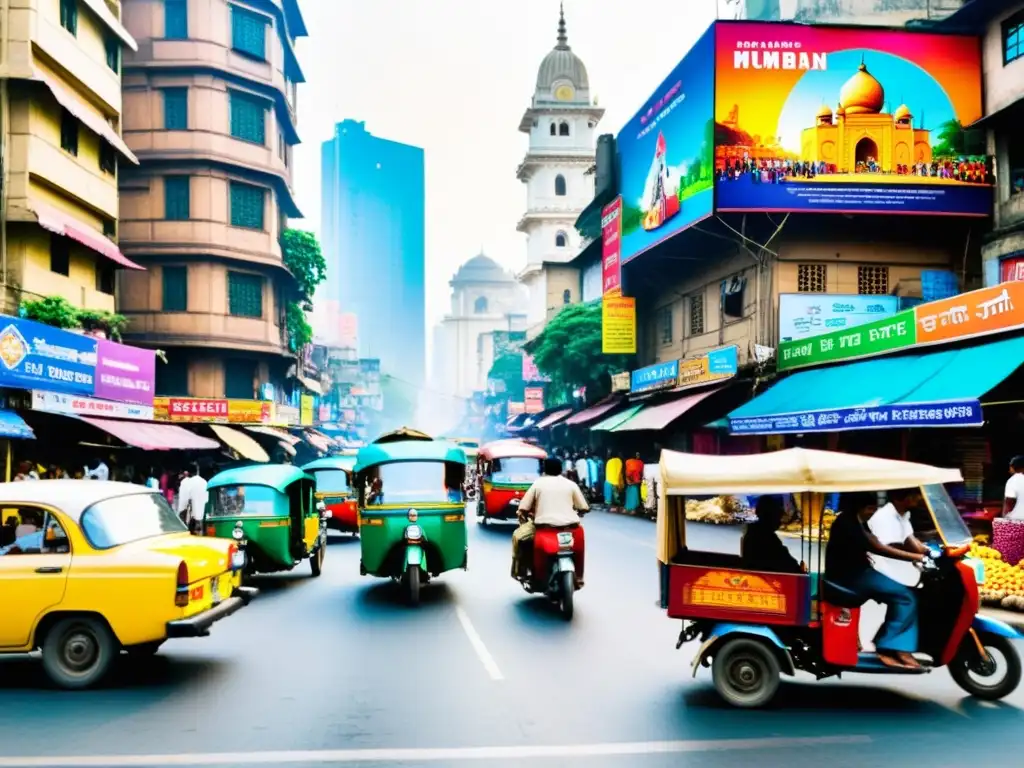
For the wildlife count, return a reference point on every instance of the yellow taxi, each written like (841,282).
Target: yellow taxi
(89,568)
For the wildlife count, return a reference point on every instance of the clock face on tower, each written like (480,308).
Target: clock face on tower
(564,93)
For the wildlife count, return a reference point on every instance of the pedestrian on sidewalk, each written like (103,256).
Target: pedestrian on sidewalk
(634,477)
(192,498)
(582,471)
(614,482)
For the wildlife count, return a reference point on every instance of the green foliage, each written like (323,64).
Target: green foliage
(951,139)
(304,259)
(568,350)
(508,367)
(300,333)
(111,323)
(58,312)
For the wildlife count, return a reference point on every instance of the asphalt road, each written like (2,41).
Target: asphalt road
(337,671)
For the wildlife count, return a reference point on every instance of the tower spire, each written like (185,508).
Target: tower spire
(563,37)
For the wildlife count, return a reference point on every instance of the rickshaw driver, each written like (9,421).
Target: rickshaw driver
(848,565)
(552,500)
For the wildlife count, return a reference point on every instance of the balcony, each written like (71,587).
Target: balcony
(141,238)
(35,157)
(205,330)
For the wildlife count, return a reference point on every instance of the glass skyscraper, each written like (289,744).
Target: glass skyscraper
(373,239)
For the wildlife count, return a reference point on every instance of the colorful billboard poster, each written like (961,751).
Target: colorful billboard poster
(666,155)
(611,248)
(618,325)
(803,315)
(847,120)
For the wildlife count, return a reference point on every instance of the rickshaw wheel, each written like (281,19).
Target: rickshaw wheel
(412,586)
(316,562)
(972,673)
(746,673)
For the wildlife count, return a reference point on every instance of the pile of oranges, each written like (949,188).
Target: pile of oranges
(1004,583)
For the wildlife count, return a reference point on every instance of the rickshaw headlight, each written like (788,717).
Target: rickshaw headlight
(413,515)
(413,533)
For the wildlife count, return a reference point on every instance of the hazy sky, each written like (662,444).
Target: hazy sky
(454,76)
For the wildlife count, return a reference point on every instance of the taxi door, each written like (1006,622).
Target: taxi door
(33,576)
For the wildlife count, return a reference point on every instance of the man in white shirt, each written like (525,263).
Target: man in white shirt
(1013,496)
(582,472)
(553,501)
(891,526)
(100,472)
(192,497)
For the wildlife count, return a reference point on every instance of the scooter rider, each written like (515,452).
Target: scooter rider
(552,500)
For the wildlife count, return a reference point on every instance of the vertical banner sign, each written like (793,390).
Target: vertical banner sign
(618,325)
(534,397)
(306,410)
(611,248)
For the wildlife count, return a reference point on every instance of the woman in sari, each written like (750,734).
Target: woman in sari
(634,477)
(613,482)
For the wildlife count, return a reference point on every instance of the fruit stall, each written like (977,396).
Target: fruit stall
(1004,583)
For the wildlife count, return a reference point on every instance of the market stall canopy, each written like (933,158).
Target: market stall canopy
(152,437)
(64,224)
(591,413)
(274,432)
(659,416)
(795,470)
(240,443)
(939,379)
(95,123)
(553,418)
(613,421)
(13,426)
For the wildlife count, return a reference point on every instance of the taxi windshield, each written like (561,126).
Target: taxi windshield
(244,500)
(516,469)
(331,481)
(124,519)
(408,482)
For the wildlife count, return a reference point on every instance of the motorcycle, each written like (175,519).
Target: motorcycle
(556,569)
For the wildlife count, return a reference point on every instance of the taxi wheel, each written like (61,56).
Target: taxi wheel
(745,672)
(316,562)
(78,652)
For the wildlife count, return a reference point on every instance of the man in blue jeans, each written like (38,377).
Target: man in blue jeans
(848,565)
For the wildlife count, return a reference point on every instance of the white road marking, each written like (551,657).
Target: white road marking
(478,645)
(398,755)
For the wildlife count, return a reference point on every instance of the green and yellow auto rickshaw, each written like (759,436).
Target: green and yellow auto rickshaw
(412,511)
(333,476)
(272,508)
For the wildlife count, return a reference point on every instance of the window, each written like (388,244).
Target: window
(561,240)
(811,278)
(697,314)
(68,132)
(249,32)
(414,481)
(172,377)
(113,48)
(665,324)
(554,130)
(1013,38)
(246,205)
(131,517)
(106,278)
(480,305)
(31,531)
(248,501)
(566,297)
(560,185)
(1015,156)
(175,109)
(563,128)
(873,280)
(245,298)
(60,255)
(177,197)
(108,158)
(248,117)
(176,19)
(69,15)
(240,376)
(175,289)
(109,228)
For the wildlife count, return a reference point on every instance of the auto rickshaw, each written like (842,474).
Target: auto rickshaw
(507,470)
(270,507)
(412,511)
(401,434)
(755,625)
(333,476)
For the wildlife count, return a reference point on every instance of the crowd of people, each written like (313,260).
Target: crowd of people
(970,170)
(624,484)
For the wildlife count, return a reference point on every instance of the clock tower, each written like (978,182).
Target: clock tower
(561,122)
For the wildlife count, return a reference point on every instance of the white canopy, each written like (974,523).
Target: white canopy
(794,470)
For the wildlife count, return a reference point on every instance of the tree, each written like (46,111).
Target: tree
(508,367)
(951,139)
(301,253)
(568,351)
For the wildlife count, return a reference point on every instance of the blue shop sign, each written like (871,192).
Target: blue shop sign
(37,356)
(723,362)
(956,413)
(655,376)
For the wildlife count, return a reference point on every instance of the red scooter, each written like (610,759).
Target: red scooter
(557,565)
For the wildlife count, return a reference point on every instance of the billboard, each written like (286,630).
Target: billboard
(847,120)
(803,315)
(666,154)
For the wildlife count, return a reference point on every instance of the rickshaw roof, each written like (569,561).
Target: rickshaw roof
(72,497)
(409,450)
(507,449)
(345,463)
(794,470)
(402,434)
(276,476)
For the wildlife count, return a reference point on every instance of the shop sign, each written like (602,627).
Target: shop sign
(190,409)
(803,315)
(287,415)
(1012,269)
(306,410)
(74,405)
(717,365)
(534,397)
(618,325)
(35,355)
(885,335)
(250,412)
(657,376)
(621,382)
(611,248)
(977,313)
(957,413)
(514,409)
(124,373)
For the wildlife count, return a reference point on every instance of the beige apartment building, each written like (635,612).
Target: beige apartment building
(210,110)
(62,152)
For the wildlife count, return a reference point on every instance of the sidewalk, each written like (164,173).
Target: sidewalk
(1013,618)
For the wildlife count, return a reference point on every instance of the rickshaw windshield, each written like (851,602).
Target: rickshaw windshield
(951,526)
(515,469)
(247,501)
(420,482)
(331,481)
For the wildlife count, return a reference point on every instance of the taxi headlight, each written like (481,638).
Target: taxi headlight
(413,533)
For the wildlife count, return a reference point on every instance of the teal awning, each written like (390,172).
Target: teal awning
(619,418)
(933,389)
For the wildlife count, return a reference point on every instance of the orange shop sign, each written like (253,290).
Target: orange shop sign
(250,412)
(534,397)
(196,410)
(977,313)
